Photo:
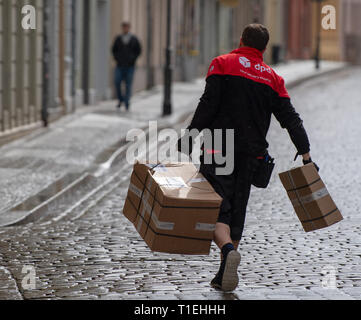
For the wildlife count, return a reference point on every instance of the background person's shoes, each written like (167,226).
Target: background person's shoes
(227,277)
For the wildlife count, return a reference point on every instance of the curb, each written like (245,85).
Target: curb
(38,211)
(294,83)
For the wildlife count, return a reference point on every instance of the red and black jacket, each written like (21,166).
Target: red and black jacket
(242,93)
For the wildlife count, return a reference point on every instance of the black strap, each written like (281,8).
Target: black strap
(151,212)
(141,197)
(319,218)
(297,155)
(305,186)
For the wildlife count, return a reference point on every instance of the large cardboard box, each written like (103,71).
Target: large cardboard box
(173,207)
(310,198)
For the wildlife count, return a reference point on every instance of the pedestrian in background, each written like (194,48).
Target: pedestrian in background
(126,50)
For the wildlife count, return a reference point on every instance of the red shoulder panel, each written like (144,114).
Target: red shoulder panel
(250,68)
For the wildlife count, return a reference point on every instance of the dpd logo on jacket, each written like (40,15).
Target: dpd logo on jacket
(262,68)
(245,62)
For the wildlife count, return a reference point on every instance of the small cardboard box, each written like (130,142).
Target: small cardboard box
(310,198)
(173,207)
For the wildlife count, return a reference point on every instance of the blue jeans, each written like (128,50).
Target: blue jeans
(125,74)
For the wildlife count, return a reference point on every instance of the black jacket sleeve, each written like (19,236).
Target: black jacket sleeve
(289,119)
(209,104)
(137,48)
(115,49)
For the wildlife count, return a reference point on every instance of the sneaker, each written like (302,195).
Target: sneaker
(228,279)
(217,282)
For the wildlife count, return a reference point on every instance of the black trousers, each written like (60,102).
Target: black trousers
(235,190)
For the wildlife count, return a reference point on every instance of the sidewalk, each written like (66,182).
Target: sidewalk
(294,72)
(72,144)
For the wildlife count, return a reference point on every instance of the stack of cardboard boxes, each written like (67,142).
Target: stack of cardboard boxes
(173,207)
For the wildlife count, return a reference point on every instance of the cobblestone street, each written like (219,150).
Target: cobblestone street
(95,253)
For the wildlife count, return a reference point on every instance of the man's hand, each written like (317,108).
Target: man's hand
(307,159)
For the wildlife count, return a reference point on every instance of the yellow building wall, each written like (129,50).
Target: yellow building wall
(330,39)
(274,21)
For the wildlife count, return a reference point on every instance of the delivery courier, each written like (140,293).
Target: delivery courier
(242,93)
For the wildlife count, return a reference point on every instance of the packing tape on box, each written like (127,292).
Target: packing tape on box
(162,225)
(157,168)
(146,206)
(135,190)
(171,182)
(205,227)
(312,197)
(196,180)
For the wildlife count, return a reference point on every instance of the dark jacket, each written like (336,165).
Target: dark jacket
(126,55)
(242,93)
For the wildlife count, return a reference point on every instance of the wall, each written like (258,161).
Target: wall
(21,66)
(2,110)
(276,27)
(351,30)
(330,39)
(201,30)
(299,30)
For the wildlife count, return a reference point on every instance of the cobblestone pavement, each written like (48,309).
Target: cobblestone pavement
(100,256)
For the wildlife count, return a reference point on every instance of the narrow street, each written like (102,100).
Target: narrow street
(86,249)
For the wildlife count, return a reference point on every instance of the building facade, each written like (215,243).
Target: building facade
(201,30)
(331,39)
(299,25)
(66,61)
(304,22)
(20,66)
(350,26)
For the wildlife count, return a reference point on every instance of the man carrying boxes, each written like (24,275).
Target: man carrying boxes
(177,209)
(242,93)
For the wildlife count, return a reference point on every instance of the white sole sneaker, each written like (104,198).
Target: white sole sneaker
(230,276)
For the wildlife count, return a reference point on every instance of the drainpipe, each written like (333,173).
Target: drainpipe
(167,105)
(86,49)
(73,53)
(318,35)
(46,63)
(150,71)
